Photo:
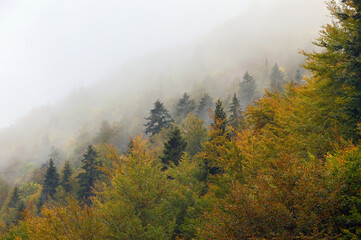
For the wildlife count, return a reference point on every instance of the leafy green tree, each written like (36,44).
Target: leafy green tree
(91,172)
(184,107)
(194,132)
(66,174)
(338,65)
(159,118)
(51,182)
(276,79)
(236,120)
(173,148)
(205,104)
(248,89)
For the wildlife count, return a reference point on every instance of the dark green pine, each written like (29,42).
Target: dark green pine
(159,118)
(173,148)
(66,174)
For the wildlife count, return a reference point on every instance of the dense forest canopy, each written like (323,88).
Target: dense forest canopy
(272,154)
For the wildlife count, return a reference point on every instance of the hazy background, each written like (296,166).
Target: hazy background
(48,48)
(70,70)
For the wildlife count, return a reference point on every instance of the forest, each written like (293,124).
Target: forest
(276,161)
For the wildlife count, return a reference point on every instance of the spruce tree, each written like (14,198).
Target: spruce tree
(159,118)
(66,174)
(51,182)
(276,79)
(248,89)
(236,115)
(90,166)
(220,118)
(173,148)
(298,77)
(205,104)
(13,201)
(184,107)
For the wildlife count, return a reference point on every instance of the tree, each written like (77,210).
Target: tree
(66,174)
(14,199)
(51,182)
(90,166)
(220,118)
(248,89)
(236,116)
(298,77)
(173,148)
(184,107)
(338,65)
(159,118)
(194,132)
(276,79)
(205,104)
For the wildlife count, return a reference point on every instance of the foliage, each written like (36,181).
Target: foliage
(159,118)
(184,107)
(173,148)
(236,119)
(66,175)
(247,89)
(276,79)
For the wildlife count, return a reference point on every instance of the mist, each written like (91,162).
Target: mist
(66,67)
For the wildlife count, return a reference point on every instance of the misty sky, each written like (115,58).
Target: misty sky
(48,48)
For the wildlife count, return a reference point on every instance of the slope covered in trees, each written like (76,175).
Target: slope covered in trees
(286,167)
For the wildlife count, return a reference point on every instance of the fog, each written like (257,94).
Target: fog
(48,48)
(68,66)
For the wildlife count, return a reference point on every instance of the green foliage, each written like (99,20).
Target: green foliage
(276,79)
(219,118)
(204,106)
(66,175)
(247,89)
(194,132)
(159,118)
(184,107)
(236,119)
(173,148)
(51,182)
(90,166)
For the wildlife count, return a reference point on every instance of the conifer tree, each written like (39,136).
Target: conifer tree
(173,148)
(298,77)
(66,174)
(220,118)
(159,118)
(51,182)
(184,107)
(236,116)
(90,166)
(276,79)
(248,89)
(13,201)
(205,104)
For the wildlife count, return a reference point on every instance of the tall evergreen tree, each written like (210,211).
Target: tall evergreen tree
(184,107)
(159,118)
(51,182)
(276,79)
(205,104)
(173,148)
(248,88)
(14,199)
(66,174)
(298,77)
(236,115)
(220,118)
(90,166)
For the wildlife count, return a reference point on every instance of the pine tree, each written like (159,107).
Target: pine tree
(276,79)
(205,104)
(236,116)
(90,166)
(298,77)
(159,118)
(220,118)
(14,198)
(248,89)
(338,65)
(173,148)
(51,182)
(184,107)
(66,174)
